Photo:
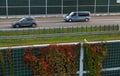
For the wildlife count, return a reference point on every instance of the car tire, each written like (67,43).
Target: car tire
(70,20)
(17,26)
(86,19)
(33,25)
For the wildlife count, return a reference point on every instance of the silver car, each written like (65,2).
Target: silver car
(78,16)
(28,21)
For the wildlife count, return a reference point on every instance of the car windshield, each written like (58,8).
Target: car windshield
(71,13)
(22,19)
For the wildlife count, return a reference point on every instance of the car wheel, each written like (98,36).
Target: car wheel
(86,19)
(33,25)
(17,26)
(70,20)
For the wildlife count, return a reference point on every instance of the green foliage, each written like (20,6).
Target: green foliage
(10,61)
(95,55)
(2,63)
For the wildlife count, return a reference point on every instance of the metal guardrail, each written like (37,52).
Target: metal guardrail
(71,31)
(58,27)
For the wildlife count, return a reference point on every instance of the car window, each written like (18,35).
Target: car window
(29,19)
(83,14)
(71,13)
(74,14)
(22,19)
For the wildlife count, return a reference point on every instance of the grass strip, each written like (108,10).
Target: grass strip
(34,41)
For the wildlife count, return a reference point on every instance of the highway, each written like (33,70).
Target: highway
(59,22)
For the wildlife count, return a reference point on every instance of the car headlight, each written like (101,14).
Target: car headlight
(67,17)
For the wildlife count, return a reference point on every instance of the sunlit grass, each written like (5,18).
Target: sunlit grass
(53,40)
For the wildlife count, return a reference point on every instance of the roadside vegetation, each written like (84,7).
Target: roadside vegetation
(61,39)
(53,40)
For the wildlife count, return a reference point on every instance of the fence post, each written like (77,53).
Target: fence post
(119,27)
(46,6)
(6,8)
(81,60)
(62,7)
(94,7)
(29,9)
(108,10)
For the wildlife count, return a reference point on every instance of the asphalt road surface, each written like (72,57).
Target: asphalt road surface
(59,22)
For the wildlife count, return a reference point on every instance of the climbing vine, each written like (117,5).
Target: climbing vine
(53,59)
(95,55)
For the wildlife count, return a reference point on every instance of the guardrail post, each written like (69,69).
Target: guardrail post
(81,60)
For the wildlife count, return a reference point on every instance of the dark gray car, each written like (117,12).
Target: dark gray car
(28,21)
